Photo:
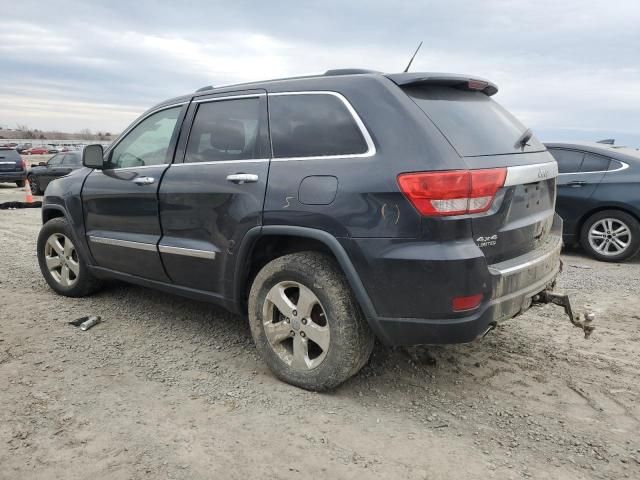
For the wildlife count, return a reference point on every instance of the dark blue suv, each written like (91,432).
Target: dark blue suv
(330,209)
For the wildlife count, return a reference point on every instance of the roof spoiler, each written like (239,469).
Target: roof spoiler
(462,82)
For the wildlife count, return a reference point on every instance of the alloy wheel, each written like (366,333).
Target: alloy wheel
(609,236)
(296,326)
(62,260)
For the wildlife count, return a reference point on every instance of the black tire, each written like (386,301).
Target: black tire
(351,341)
(622,218)
(34,185)
(20,183)
(84,283)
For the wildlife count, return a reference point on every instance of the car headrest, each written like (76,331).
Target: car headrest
(227,135)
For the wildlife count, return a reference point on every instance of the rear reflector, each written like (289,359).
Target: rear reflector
(452,192)
(462,304)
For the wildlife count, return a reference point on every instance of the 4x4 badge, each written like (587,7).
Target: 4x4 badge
(487,241)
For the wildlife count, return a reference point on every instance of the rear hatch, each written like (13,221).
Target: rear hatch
(10,160)
(487,136)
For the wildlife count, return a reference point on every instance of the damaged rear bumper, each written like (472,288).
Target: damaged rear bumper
(514,287)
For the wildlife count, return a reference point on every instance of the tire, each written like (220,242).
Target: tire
(20,183)
(61,265)
(314,284)
(611,236)
(34,185)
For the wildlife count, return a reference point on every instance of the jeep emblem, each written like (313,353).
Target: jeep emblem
(543,173)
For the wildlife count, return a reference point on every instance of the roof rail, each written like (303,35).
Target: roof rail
(204,89)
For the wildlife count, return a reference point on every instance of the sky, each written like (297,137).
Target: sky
(569,69)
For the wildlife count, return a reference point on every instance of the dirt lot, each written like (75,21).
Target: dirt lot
(172,388)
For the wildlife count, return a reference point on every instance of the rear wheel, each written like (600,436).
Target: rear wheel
(611,236)
(20,183)
(305,322)
(60,263)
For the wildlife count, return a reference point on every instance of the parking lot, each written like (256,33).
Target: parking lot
(172,388)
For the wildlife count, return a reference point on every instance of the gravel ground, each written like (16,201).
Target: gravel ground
(171,388)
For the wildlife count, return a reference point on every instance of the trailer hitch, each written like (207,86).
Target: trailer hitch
(547,296)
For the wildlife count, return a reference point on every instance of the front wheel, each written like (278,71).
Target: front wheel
(611,236)
(34,185)
(306,323)
(60,263)
(20,183)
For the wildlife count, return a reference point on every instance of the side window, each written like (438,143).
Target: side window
(148,142)
(72,159)
(313,125)
(226,130)
(614,165)
(569,161)
(594,163)
(55,160)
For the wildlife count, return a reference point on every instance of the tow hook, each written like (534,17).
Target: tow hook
(547,296)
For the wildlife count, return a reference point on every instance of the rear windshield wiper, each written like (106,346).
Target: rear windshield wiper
(523,139)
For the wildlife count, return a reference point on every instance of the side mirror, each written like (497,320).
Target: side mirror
(41,164)
(92,156)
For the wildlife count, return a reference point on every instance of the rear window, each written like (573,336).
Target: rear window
(9,154)
(313,125)
(471,121)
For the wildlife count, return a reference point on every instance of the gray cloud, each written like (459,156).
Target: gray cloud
(569,69)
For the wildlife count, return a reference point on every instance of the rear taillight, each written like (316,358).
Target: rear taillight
(23,164)
(452,192)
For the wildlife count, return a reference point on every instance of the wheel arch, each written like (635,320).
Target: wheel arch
(281,240)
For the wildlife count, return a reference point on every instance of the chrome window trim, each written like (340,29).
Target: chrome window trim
(371,148)
(522,174)
(230,97)
(623,167)
(214,162)
(189,252)
(115,242)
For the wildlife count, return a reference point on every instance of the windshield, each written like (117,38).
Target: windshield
(471,121)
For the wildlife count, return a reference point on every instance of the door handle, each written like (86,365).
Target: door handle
(576,184)
(143,180)
(241,178)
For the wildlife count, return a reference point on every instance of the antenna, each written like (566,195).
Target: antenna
(414,56)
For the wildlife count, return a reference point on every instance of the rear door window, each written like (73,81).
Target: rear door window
(594,163)
(72,159)
(569,161)
(313,125)
(472,122)
(225,130)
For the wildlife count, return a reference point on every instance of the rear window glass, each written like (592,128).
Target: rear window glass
(313,125)
(471,121)
(9,154)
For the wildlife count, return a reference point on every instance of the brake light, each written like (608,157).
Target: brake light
(23,164)
(477,85)
(452,192)
(463,304)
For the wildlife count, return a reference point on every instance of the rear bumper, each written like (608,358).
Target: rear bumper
(529,281)
(508,288)
(13,176)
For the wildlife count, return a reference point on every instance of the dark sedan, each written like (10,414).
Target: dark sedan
(599,198)
(57,166)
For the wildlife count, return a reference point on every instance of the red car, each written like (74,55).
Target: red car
(37,151)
